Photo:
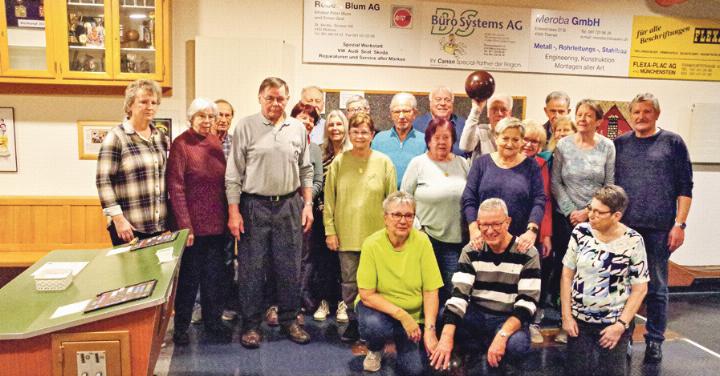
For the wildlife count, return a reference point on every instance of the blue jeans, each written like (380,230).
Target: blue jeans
(656,300)
(447,255)
(376,328)
(478,329)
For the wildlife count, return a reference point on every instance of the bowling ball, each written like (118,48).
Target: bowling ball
(480,85)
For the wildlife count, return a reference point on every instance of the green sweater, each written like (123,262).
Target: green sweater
(354,191)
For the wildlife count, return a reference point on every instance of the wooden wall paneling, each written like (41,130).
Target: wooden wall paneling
(40,222)
(57,230)
(32,226)
(24,224)
(77,224)
(5,218)
(95,225)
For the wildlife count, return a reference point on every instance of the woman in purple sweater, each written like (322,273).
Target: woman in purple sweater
(196,186)
(509,175)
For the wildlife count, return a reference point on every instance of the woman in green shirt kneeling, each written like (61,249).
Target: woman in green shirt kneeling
(398,279)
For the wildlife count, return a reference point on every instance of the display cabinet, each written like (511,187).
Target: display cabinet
(84,42)
(26,47)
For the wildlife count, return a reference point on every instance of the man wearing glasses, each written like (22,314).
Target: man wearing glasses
(442,106)
(401,142)
(495,295)
(356,104)
(478,138)
(269,163)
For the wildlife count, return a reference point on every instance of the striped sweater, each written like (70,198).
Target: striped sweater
(501,284)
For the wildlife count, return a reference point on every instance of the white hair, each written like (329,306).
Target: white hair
(508,123)
(439,89)
(508,99)
(398,197)
(201,104)
(493,204)
(403,97)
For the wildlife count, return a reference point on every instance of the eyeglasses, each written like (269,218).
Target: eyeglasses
(271,99)
(356,133)
(597,212)
(442,100)
(533,142)
(398,216)
(352,110)
(495,226)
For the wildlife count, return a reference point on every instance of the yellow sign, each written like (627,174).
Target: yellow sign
(673,48)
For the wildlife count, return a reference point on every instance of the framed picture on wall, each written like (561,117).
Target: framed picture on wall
(90,136)
(164,125)
(8,152)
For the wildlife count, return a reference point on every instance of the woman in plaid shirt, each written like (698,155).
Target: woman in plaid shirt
(130,175)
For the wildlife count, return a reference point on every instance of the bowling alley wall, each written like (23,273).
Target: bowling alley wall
(235,44)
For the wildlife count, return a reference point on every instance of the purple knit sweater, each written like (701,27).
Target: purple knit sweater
(196,184)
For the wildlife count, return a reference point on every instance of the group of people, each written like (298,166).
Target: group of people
(440,231)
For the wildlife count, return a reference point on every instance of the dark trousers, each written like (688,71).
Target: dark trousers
(447,255)
(377,328)
(478,329)
(321,273)
(560,239)
(115,239)
(201,265)
(656,300)
(229,282)
(547,267)
(270,249)
(585,356)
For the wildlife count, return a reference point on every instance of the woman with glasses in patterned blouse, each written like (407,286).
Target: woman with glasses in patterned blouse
(604,280)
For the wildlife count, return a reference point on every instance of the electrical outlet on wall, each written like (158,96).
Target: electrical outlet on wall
(91,363)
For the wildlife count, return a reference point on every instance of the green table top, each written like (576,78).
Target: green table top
(26,312)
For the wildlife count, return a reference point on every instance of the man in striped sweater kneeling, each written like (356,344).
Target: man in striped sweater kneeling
(495,295)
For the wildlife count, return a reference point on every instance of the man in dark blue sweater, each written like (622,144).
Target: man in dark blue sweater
(653,166)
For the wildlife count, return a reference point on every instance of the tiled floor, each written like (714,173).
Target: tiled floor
(691,349)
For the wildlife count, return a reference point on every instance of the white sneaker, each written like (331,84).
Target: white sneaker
(372,361)
(322,312)
(561,337)
(535,334)
(341,315)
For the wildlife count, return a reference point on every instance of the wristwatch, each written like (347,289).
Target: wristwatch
(502,333)
(682,225)
(626,325)
(533,229)
(309,203)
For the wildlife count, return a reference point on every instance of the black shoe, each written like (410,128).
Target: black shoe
(351,333)
(181,339)
(653,352)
